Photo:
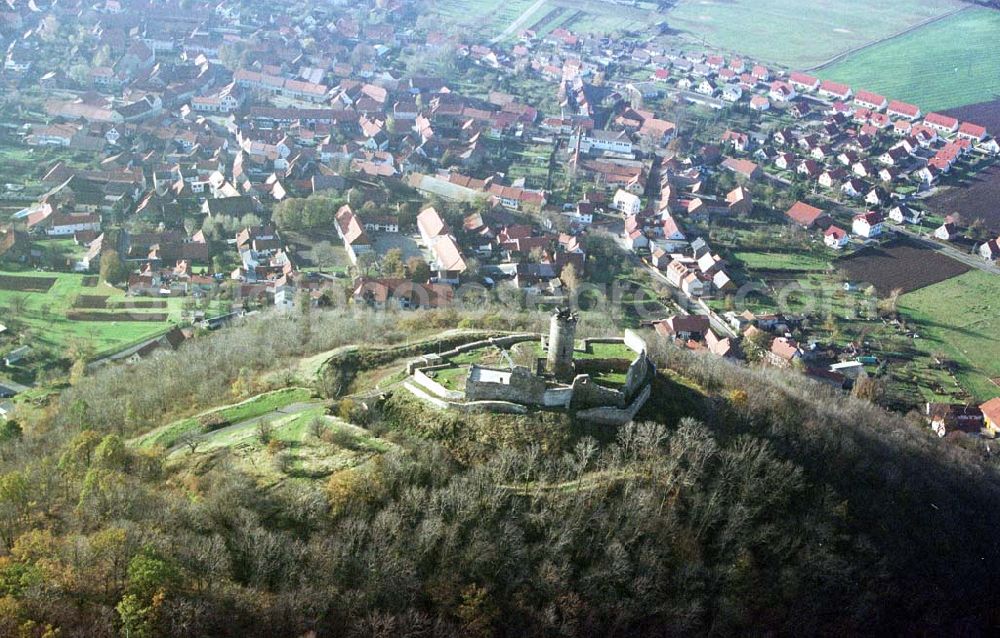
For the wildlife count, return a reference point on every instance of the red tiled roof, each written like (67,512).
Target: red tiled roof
(835,232)
(784,348)
(835,87)
(937,119)
(991,410)
(973,130)
(804,214)
(870,98)
(802,78)
(903,108)
(430,223)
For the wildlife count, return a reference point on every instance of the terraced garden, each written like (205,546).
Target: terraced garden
(61,310)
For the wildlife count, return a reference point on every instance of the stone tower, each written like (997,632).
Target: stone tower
(562,332)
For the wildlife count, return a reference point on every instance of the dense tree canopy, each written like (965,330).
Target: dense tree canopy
(768,505)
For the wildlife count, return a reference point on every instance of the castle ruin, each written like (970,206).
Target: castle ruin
(560,380)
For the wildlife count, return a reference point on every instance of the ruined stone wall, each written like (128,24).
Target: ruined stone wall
(615,416)
(640,374)
(558,397)
(420,377)
(588,394)
(635,342)
(523,387)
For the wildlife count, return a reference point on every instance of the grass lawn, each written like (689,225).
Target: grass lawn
(21,164)
(793,262)
(801,34)
(960,318)
(607,351)
(452,378)
(45,316)
(937,67)
(168,435)
(296,454)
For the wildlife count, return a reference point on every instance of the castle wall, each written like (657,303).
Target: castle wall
(558,397)
(512,391)
(429,384)
(616,416)
(635,342)
(640,374)
(588,394)
(518,385)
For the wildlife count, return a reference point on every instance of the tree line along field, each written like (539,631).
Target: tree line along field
(947,64)
(46,303)
(960,318)
(800,34)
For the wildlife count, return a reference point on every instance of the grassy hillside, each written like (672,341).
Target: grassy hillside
(959,319)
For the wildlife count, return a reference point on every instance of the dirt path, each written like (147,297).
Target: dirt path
(891,36)
(521,19)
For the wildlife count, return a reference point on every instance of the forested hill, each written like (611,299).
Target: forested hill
(744,502)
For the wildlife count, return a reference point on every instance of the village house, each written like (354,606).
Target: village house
(904,110)
(805,215)
(945,418)
(991,415)
(990,251)
(744,168)
(401,293)
(627,203)
(803,82)
(739,202)
(759,103)
(835,90)
(836,237)
(616,142)
(871,101)
(352,232)
(831,177)
(941,123)
(782,92)
(946,231)
(784,352)
(867,225)
(853,187)
(972,132)
(683,328)
(902,214)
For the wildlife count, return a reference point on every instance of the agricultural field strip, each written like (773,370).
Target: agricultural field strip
(931,66)
(811,33)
